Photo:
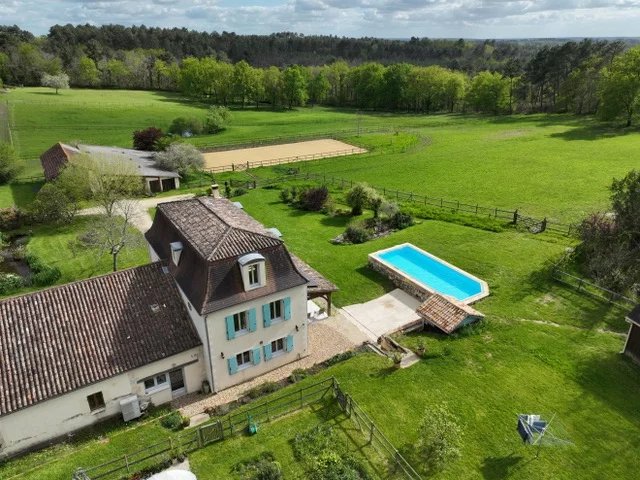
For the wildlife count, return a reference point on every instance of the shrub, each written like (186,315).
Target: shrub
(326,457)
(12,218)
(174,421)
(356,234)
(388,209)
(147,139)
(298,375)
(10,163)
(53,205)
(186,126)
(401,221)
(262,467)
(217,119)
(285,195)
(180,157)
(263,389)
(340,357)
(42,275)
(357,198)
(439,438)
(10,282)
(313,198)
(239,191)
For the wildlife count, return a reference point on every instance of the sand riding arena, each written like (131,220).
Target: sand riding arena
(277,154)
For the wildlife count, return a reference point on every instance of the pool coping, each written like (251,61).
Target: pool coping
(375,259)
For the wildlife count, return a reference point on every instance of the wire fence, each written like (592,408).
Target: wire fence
(192,439)
(593,290)
(534,225)
(162,453)
(373,435)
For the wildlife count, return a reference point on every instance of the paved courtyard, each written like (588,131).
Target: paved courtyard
(383,315)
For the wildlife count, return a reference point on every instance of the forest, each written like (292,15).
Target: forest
(284,70)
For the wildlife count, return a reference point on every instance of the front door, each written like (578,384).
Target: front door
(177,383)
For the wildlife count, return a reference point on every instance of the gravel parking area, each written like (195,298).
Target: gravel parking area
(326,339)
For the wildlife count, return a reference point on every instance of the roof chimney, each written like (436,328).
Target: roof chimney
(215,190)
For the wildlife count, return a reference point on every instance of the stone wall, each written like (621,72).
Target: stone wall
(399,281)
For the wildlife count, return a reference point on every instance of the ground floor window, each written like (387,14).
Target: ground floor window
(155,382)
(244,359)
(96,401)
(278,346)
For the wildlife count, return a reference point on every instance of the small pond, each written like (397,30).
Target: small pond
(11,260)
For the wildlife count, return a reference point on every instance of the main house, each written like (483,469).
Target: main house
(142,163)
(222,302)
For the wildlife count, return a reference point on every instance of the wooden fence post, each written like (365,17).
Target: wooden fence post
(515,217)
(543,225)
(371,432)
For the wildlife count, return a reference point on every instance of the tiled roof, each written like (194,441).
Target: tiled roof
(317,283)
(143,162)
(445,312)
(55,158)
(216,228)
(63,338)
(215,233)
(634,315)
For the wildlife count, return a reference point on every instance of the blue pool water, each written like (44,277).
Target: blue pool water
(431,272)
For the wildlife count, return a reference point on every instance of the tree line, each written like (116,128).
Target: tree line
(418,75)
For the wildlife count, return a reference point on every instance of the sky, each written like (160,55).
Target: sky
(354,18)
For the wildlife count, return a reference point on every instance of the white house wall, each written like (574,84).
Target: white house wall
(221,346)
(59,416)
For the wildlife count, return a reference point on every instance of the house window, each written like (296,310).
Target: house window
(254,277)
(278,346)
(96,401)
(252,266)
(240,322)
(275,309)
(244,359)
(155,383)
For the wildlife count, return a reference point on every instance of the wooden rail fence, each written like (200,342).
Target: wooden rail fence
(593,290)
(534,225)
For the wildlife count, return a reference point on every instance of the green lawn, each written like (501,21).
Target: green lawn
(513,263)
(558,166)
(53,245)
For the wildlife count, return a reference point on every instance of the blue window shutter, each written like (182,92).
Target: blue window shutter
(231,329)
(287,308)
(266,315)
(233,365)
(267,352)
(289,343)
(252,320)
(255,356)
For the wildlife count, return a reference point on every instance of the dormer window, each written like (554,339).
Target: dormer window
(176,252)
(253,270)
(254,278)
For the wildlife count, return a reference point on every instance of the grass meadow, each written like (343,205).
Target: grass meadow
(545,165)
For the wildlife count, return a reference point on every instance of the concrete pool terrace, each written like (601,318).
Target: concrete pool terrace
(422,274)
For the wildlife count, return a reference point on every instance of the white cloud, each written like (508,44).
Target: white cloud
(382,18)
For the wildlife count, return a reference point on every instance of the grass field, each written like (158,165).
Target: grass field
(545,165)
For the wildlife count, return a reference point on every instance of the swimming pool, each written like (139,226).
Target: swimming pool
(427,273)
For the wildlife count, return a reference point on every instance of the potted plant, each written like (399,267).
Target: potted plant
(421,349)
